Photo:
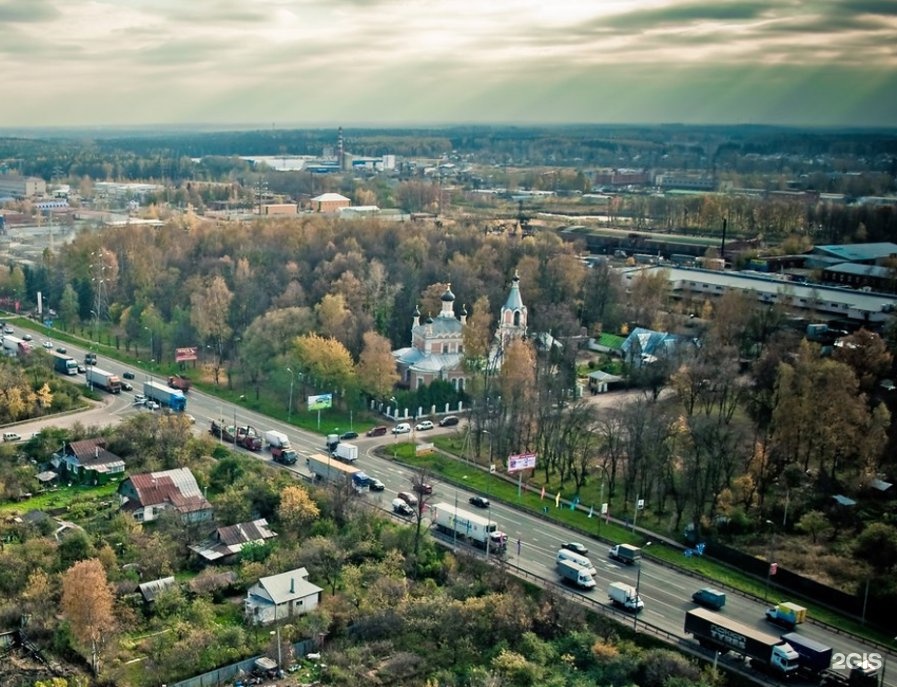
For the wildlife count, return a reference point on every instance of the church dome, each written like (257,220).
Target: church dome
(448,296)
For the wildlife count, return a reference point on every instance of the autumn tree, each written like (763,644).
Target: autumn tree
(296,509)
(477,334)
(326,361)
(866,353)
(87,603)
(210,306)
(376,370)
(267,341)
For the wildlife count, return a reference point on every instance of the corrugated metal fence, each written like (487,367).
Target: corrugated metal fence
(227,674)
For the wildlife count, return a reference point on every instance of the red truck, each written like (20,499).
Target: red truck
(248,438)
(179,382)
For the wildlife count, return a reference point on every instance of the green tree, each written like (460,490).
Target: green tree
(68,306)
(813,522)
(877,545)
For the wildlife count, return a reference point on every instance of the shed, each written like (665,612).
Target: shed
(151,590)
(600,381)
(845,501)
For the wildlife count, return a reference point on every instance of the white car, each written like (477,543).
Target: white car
(401,428)
(11,436)
(139,399)
(152,405)
(421,426)
(48,345)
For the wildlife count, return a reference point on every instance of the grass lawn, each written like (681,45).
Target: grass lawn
(61,498)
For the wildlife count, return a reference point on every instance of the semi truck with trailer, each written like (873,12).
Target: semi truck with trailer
(107,381)
(15,347)
(347,453)
(326,469)
(814,658)
(64,364)
(625,553)
(765,651)
(479,531)
(172,398)
(573,574)
(625,596)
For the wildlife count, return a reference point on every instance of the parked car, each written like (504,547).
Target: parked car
(139,399)
(449,421)
(11,436)
(407,497)
(152,405)
(345,436)
(479,501)
(423,425)
(575,547)
(401,508)
(376,485)
(378,431)
(401,428)
(128,375)
(127,386)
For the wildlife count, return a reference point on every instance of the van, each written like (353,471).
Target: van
(11,436)
(449,421)
(378,431)
(407,497)
(581,561)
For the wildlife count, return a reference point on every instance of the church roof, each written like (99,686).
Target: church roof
(514,302)
(448,296)
(436,363)
(439,326)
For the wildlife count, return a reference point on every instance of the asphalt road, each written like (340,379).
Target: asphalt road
(533,542)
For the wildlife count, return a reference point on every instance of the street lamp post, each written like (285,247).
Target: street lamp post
(290,408)
(769,568)
(638,582)
(601,493)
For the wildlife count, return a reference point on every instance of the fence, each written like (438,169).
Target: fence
(226,674)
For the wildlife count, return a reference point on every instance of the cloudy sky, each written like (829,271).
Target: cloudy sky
(397,62)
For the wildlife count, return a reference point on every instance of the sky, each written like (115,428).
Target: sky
(323,63)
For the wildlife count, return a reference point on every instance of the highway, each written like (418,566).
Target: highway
(666,592)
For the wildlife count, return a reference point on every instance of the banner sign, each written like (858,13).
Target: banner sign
(182,355)
(320,402)
(521,461)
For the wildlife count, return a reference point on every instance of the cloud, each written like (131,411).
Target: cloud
(30,11)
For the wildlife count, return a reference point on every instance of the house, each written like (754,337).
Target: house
(281,596)
(645,346)
(88,462)
(146,496)
(329,202)
(150,590)
(226,542)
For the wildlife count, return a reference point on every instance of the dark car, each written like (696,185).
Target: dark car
(345,436)
(128,375)
(423,488)
(61,349)
(575,547)
(127,386)
(81,369)
(449,421)
(376,485)
(379,431)
(479,501)
(402,508)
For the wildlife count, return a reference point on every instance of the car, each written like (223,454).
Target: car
(479,501)
(26,337)
(449,421)
(61,349)
(423,488)
(376,485)
(8,330)
(139,399)
(48,345)
(152,405)
(378,431)
(81,369)
(401,428)
(345,436)
(575,547)
(423,425)
(401,508)
(407,497)
(127,386)
(11,436)
(128,375)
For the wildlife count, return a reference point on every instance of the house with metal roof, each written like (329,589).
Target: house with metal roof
(227,542)
(146,496)
(88,462)
(281,596)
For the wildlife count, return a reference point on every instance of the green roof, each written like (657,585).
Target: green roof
(611,341)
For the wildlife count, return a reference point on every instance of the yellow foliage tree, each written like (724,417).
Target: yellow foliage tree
(87,603)
(296,508)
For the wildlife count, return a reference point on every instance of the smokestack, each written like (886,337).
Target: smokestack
(292,585)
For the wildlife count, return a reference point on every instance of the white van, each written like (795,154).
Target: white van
(581,561)
(11,436)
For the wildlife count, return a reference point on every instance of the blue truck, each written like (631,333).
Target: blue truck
(173,398)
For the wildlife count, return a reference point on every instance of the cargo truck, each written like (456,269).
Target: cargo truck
(64,364)
(180,382)
(479,531)
(710,598)
(275,439)
(101,379)
(765,651)
(15,347)
(813,658)
(248,438)
(625,553)
(347,453)
(786,614)
(327,469)
(573,574)
(625,596)
(172,398)
(284,456)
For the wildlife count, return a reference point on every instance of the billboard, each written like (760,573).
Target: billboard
(320,402)
(184,354)
(521,461)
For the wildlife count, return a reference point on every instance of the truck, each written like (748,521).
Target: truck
(284,456)
(275,439)
(221,430)
(107,381)
(90,359)
(172,398)
(180,382)
(479,531)
(347,453)
(786,614)
(332,442)
(327,469)
(578,577)
(715,631)
(248,438)
(710,598)
(15,347)
(625,553)
(625,596)
(813,658)
(64,364)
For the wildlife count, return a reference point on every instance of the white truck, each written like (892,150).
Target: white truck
(275,439)
(476,529)
(625,596)
(572,573)
(95,377)
(347,453)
